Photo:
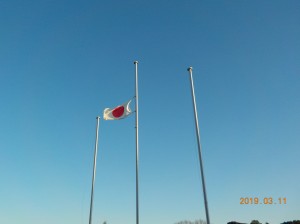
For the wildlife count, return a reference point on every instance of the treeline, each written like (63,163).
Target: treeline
(257,222)
(292,222)
(200,221)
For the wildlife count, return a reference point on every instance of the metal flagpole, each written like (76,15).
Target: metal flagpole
(94,170)
(199,145)
(137,140)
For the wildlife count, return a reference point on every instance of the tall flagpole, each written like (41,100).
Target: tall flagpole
(199,145)
(137,140)
(94,170)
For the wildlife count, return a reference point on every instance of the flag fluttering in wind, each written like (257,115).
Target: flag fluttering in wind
(118,112)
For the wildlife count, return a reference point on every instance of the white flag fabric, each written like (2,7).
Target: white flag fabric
(118,112)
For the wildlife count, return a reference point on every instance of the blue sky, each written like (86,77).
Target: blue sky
(63,62)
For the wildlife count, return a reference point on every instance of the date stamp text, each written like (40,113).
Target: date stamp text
(262,201)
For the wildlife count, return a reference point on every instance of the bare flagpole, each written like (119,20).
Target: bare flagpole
(199,145)
(94,170)
(137,140)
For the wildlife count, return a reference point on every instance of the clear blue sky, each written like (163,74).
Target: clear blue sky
(63,62)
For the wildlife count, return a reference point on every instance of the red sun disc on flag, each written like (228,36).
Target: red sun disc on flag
(118,112)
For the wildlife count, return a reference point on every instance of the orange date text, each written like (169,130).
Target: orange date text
(262,201)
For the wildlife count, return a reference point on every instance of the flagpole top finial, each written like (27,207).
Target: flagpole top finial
(190,68)
(135,62)
(98,117)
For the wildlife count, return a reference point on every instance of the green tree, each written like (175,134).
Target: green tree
(234,222)
(255,222)
(292,222)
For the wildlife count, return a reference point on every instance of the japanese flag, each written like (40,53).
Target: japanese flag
(118,112)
